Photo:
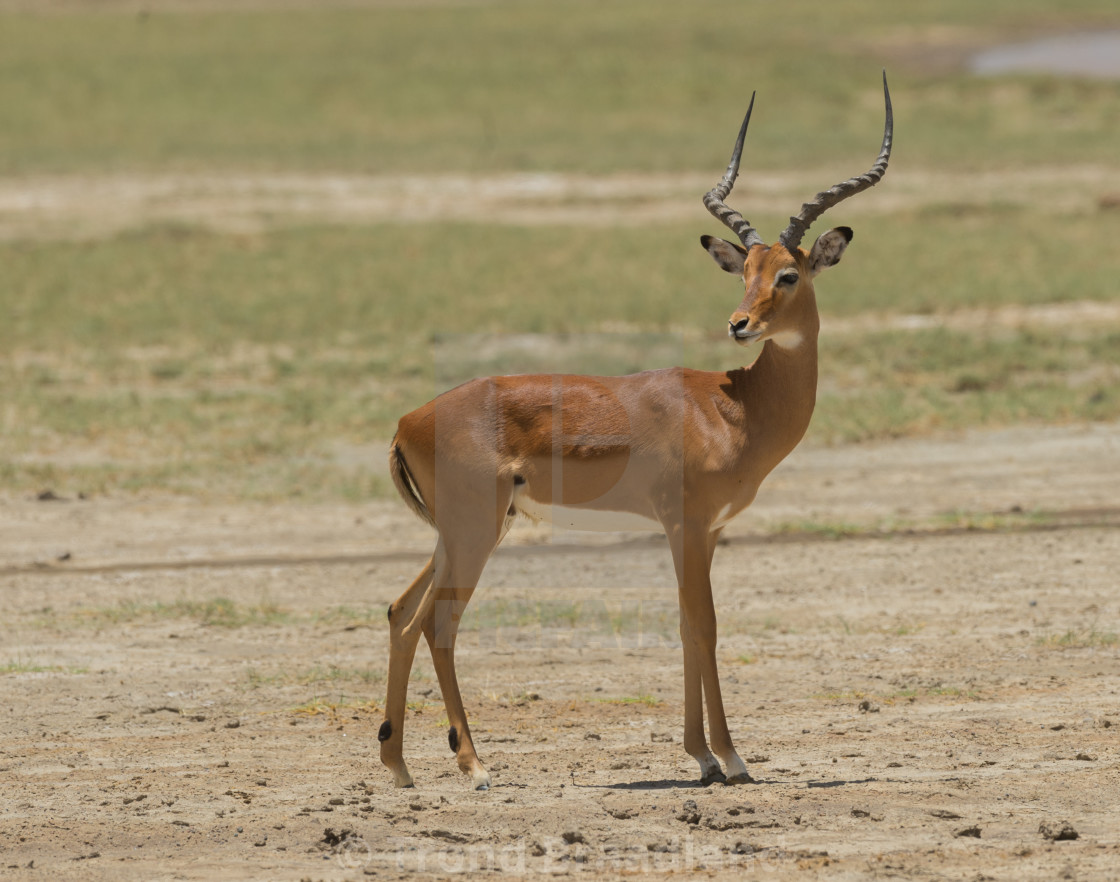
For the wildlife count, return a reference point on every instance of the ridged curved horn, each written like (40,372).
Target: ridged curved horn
(713,199)
(824,200)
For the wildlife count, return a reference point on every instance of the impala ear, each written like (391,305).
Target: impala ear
(829,248)
(730,257)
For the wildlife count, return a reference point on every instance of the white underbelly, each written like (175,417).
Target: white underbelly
(726,515)
(592,519)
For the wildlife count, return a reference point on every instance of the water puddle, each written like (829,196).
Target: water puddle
(1086,54)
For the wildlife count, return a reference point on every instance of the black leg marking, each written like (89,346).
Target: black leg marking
(453,739)
(385,732)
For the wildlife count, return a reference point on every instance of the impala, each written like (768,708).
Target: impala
(678,451)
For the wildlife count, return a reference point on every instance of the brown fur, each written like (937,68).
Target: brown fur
(681,449)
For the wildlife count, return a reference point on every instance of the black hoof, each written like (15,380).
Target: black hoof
(716,777)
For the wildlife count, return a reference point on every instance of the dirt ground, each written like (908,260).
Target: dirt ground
(918,650)
(91,206)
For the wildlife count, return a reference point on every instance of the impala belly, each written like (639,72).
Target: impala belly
(725,516)
(570,517)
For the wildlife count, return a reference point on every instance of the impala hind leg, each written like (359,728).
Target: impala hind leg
(468,540)
(432,605)
(402,650)
(466,549)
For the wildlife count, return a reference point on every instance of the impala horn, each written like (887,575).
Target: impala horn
(713,199)
(824,200)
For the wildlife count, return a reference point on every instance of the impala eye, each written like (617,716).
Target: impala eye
(789,279)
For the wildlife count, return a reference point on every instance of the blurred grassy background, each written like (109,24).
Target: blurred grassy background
(274,362)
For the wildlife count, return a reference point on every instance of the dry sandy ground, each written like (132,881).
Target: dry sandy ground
(84,206)
(912,702)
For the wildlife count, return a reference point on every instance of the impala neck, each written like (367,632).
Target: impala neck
(779,391)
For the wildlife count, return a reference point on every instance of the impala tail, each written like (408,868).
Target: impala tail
(406,487)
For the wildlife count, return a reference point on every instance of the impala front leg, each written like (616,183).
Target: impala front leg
(695,742)
(440,628)
(693,557)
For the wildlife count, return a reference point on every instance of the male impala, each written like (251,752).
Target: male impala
(675,450)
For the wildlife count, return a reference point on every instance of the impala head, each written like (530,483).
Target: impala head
(779,296)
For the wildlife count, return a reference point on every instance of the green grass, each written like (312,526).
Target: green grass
(951,521)
(317,674)
(222,612)
(21,666)
(335,709)
(574,85)
(214,612)
(308,290)
(929,261)
(885,385)
(647,700)
(1079,638)
(275,364)
(207,364)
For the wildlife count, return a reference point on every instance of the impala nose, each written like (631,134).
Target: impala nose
(739,328)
